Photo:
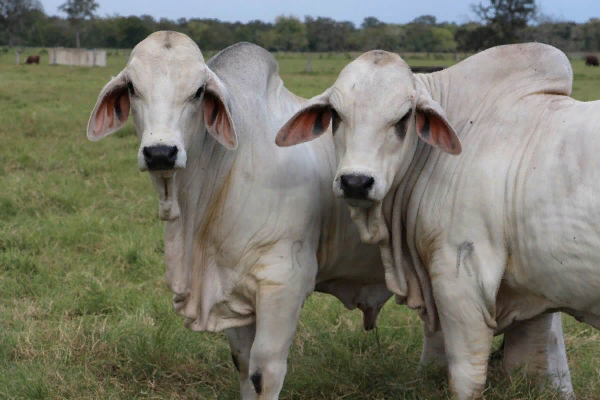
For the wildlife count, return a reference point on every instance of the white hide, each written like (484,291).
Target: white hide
(250,229)
(506,231)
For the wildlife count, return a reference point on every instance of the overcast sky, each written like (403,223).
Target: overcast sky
(390,11)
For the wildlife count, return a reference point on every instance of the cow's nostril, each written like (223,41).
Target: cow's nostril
(146,152)
(356,186)
(173,154)
(160,157)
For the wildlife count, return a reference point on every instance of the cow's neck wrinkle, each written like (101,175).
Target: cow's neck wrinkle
(410,183)
(200,190)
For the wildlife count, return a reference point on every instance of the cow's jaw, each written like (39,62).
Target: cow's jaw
(165,184)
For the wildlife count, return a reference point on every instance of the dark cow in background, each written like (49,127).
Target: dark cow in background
(33,60)
(591,60)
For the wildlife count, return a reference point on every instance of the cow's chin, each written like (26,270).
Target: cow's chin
(359,203)
(370,223)
(166,187)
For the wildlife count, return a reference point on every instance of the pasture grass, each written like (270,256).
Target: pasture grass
(83,308)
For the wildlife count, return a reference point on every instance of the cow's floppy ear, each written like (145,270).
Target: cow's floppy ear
(433,126)
(111,111)
(310,122)
(217,115)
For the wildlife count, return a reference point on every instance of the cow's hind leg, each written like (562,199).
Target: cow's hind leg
(433,351)
(538,344)
(240,342)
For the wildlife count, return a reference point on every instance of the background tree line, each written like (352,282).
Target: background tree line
(24,23)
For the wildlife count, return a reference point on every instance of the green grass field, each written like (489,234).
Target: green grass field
(83,308)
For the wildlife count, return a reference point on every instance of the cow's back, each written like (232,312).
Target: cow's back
(528,184)
(524,183)
(557,208)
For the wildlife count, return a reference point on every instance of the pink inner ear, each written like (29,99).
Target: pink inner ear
(104,121)
(216,119)
(440,132)
(124,102)
(99,120)
(306,126)
(434,131)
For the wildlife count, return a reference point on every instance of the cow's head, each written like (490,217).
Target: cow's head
(172,96)
(378,112)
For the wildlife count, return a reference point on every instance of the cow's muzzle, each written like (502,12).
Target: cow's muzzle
(356,189)
(160,157)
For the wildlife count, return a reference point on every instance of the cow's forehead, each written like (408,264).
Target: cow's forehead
(167,42)
(375,79)
(169,54)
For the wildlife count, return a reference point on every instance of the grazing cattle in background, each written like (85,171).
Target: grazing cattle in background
(503,236)
(250,229)
(592,61)
(32,60)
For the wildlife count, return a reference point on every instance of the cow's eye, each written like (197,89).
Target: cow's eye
(131,88)
(199,92)
(402,125)
(335,120)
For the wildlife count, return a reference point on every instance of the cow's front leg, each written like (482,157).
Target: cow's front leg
(282,288)
(539,345)
(462,279)
(468,341)
(240,343)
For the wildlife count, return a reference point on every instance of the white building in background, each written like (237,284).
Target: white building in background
(79,57)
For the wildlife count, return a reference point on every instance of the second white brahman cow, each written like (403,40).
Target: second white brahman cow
(490,241)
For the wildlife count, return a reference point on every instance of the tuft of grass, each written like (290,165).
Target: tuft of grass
(84,309)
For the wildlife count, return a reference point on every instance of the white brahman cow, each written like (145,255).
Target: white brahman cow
(250,229)
(501,236)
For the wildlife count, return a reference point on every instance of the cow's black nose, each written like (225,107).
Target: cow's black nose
(356,186)
(160,157)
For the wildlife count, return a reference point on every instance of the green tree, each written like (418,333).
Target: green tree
(34,24)
(268,39)
(319,33)
(78,11)
(474,37)
(326,34)
(131,31)
(211,34)
(371,22)
(425,19)
(291,34)
(443,40)
(419,38)
(591,35)
(165,24)
(508,18)
(13,18)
